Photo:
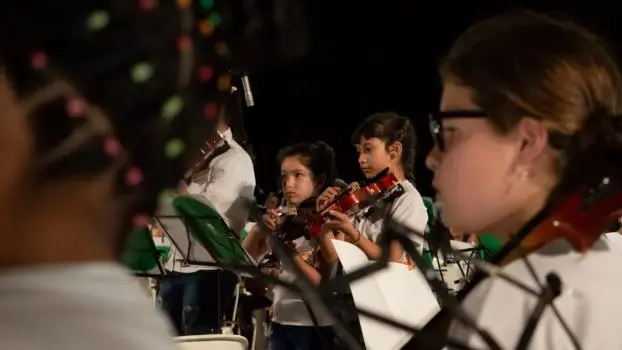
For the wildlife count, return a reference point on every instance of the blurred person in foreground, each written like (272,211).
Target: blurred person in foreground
(99,104)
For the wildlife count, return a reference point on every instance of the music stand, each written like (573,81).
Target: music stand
(206,239)
(141,254)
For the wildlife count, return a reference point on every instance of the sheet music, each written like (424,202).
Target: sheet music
(395,292)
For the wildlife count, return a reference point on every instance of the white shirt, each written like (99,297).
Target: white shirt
(228,186)
(95,306)
(288,307)
(590,302)
(408,210)
(615,240)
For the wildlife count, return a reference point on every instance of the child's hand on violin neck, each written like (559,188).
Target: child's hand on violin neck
(270,220)
(336,221)
(328,195)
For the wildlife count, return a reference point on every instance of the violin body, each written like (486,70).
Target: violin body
(355,199)
(303,219)
(204,160)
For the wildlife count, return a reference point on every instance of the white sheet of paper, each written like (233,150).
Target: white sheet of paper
(394,292)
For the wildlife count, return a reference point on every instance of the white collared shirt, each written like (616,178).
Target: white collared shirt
(408,210)
(95,306)
(228,186)
(288,307)
(590,302)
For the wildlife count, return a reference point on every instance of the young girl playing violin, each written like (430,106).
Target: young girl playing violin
(383,140)
(306,169)
(528,103)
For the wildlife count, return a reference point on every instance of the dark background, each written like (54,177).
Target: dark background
(372,56)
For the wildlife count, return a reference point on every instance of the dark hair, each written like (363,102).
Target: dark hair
(318,156)
(391,127)
(529,64)
(136,73)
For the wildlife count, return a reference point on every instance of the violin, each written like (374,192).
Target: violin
(293,216)
(580,218)
(356,198)
(207,155)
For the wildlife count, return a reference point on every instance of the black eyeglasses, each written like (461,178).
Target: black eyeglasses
(436,123)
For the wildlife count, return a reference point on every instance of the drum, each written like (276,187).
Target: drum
(211,342)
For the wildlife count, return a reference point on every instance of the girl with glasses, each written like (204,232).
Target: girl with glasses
(530,112)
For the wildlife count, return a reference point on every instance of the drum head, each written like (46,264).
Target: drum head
(208,228)
(140,253)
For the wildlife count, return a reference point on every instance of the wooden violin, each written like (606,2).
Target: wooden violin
(293,216)
(294,224)
(354,199)
(203,163)
(580,218)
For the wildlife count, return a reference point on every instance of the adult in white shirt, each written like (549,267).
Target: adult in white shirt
(306,168)
(528,100)
(195,297)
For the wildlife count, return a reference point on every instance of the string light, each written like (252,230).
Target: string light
(206,73)
(183,4)
(165,197)
(172,107)
(76,107)
(221,49)
(140,220)
(112,147)
(174,148)
(98,20)
(206,27)
(147,5)
(184,43)
(215,18)
(39,61)
(141,72)
(224,82)
(210,110)
(133,177)
(207,4)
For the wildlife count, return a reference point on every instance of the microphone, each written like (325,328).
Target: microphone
(248,93)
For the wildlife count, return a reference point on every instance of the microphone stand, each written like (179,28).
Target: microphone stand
(550,290)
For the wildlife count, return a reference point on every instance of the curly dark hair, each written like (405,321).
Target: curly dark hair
(318,156)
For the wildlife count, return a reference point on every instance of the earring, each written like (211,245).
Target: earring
(523,174)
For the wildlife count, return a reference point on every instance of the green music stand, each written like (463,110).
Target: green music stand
(141,254)
(206,227)
(491,246)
